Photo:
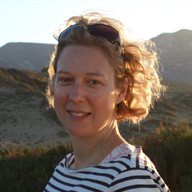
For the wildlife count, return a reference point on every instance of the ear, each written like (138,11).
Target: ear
(122,91)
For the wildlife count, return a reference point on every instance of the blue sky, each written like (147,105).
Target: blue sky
(35,20)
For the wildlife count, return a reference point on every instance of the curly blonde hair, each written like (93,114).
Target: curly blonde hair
(136,61)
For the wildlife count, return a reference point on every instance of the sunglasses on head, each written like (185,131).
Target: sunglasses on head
(97,30)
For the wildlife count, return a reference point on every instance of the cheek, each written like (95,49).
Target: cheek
(59,98)
(107,102)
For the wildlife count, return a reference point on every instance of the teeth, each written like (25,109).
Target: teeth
(78,114)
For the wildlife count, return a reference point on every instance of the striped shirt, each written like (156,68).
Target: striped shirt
(126,168)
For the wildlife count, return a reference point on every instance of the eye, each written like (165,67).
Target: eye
(64,80)
(94,82)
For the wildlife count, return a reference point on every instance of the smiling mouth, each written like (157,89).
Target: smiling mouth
(78,114)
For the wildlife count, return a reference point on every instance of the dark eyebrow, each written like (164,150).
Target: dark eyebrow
(89,73)
(62,72)
(95,74)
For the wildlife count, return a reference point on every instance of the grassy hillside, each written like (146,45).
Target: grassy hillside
(32,138)
(23,106)
(21,80)
(25,117)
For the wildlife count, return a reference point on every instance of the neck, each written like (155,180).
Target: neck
(91,151)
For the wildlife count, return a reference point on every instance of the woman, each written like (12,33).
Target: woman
(98,78)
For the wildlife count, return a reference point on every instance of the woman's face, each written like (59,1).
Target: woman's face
(85,94)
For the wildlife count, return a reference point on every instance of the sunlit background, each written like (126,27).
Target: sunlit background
(35,20)
(31,136)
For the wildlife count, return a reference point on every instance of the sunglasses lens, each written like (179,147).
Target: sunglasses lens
(66,32)
(97,30)
(105,31)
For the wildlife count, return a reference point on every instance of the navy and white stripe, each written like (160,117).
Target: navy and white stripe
(131,172)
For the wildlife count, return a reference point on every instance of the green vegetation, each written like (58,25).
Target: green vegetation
(169,148)
(25,170)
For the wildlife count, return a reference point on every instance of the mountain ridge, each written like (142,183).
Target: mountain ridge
(25,56)
(174,51)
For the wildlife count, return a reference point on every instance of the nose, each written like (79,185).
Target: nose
(77,93)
